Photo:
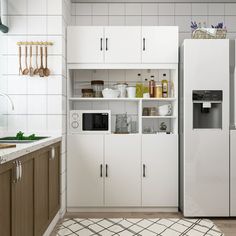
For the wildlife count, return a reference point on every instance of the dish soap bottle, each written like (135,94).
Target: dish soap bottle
(164,83)
(139,87)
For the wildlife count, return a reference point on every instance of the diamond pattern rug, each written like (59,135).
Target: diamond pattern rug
(138,227)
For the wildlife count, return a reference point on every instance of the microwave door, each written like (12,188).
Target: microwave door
(95,122)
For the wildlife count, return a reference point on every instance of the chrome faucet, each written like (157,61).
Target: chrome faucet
(9,99)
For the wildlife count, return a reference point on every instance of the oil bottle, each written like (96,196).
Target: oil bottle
(164,82)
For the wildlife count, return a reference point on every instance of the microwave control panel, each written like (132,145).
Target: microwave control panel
(74,121)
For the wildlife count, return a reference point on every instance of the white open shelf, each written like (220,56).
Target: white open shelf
(93,99)
(80,78)
(159,117)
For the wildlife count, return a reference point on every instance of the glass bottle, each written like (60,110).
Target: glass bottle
(152,86)
(164,83)
(139,87)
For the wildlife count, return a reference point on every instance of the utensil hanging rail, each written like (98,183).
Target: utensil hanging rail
(35,43)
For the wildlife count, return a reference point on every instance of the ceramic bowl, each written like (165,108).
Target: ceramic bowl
(110,93)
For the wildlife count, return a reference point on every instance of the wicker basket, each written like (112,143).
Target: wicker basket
(201,34)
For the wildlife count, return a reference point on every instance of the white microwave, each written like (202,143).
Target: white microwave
(90,121)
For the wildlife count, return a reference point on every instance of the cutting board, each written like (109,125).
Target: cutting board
(6,145)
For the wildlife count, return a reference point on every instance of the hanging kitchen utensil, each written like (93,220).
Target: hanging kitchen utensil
(31,69)
(26,70)
(20,66)
(46,71)
(3,28)
(41,70)
(36,71)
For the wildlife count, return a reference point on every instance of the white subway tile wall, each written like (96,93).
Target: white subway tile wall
(180,14)
(40,103)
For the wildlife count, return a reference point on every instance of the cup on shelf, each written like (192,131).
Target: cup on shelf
(165,110)
(146,95)
(131,92)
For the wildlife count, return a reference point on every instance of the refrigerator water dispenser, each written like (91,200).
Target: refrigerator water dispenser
(207,109)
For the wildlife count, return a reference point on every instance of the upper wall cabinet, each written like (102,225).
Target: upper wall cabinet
(160,44)
(122,44)
(85,44)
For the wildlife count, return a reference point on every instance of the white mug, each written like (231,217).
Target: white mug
(131,92)
(165,110)
(146,95)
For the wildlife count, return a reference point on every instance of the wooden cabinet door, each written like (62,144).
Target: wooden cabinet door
(160,44)
(84,173)
(6,179)
(54,181)
(85,44)
(41,190)
(160,170)
(23,200)
(123,174)
(122,44)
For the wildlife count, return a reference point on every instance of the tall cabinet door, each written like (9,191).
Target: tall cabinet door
(54,181)
(122,170)
(5,198)
(23,201)
(123,44)
(160,44)
(84,171)
(41,190)
(160,170)
(85,44)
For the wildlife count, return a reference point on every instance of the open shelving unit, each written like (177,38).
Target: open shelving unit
(81,78)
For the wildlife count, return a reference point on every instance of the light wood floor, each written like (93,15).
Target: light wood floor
(227,225)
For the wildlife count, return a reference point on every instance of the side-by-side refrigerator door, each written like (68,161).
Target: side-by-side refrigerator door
(233,173)
(206,128)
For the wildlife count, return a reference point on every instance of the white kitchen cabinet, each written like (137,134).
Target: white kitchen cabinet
(123,44)
(85,44)
(84,180)
(160,170)
(123,176)
(232,173)
(160,44)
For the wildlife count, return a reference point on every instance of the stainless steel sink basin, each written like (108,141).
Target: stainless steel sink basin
(14,140)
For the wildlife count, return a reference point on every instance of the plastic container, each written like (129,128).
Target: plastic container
(97,86)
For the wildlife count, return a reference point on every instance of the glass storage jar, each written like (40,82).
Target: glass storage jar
(87,93)
(97,86)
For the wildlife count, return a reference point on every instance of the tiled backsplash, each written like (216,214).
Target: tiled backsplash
(40,103)
(179,14)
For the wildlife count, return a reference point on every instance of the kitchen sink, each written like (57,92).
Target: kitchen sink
(14,140)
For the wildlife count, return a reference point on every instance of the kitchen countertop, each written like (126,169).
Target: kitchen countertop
(10,154)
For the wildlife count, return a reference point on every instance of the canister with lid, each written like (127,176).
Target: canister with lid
(97,86)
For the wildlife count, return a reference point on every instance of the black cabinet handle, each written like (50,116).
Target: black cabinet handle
(106,44)
(144,44)
(144,171)
(101,170)
(101,44)
(106,170)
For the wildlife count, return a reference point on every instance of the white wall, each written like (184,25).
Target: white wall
(40,103)
(179,14)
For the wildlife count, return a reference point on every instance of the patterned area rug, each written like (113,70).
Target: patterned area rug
(138,227)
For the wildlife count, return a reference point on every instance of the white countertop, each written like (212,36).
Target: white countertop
(10,154)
